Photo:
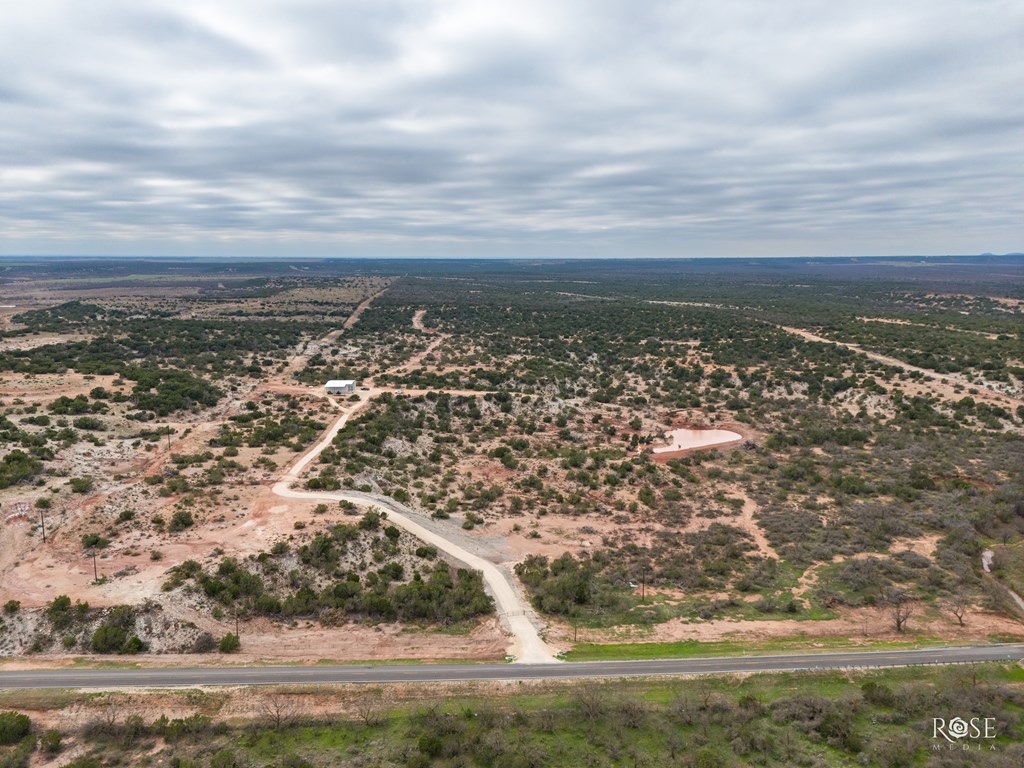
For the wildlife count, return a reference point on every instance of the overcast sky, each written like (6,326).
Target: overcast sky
(491,128)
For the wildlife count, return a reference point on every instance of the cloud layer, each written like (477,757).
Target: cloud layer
(566,127)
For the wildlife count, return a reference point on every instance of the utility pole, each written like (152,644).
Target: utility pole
(95,568)
(236,620)
(42,522)
(168,438)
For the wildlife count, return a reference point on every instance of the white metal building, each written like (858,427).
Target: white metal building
(340,387)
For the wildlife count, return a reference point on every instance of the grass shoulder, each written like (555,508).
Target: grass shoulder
(696,648)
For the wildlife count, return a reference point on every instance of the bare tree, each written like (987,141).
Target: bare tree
(957,604)
(111,708)
(279,710)
(706,692)
(681,708)
(787,742)
(371,710)
(675,744)
(109,715)
(591,701)
(901,606)
(631,712)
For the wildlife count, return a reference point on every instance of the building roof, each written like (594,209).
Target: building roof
(340,383)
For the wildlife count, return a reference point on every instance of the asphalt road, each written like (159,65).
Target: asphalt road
(312,675)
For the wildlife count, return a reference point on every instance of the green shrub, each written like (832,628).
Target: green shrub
(708,757)
(430,745)
(67,406)
(81,484)
(109,639)
(225,759)
(229,643)
(89,423)
(181,520)
(133,645)
(16,467)
(61,614)
(50,742)
(114,635)
(14,727)
(94,541)
(371,520)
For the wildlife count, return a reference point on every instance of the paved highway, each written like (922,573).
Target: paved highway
(312,675)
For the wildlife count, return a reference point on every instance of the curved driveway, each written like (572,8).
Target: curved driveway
(515,613)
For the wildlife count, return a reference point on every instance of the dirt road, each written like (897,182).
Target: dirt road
(417,322)
(513,609)
(354,317)
(948,378)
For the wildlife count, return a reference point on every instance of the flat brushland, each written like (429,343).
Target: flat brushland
(147,412)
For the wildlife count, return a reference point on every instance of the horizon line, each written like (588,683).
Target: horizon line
(229,257)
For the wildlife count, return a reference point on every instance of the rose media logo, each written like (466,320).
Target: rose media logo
(964,734)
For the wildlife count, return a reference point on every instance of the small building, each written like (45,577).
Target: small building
(340,387)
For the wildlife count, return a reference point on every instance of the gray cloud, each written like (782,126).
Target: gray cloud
(534,128)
